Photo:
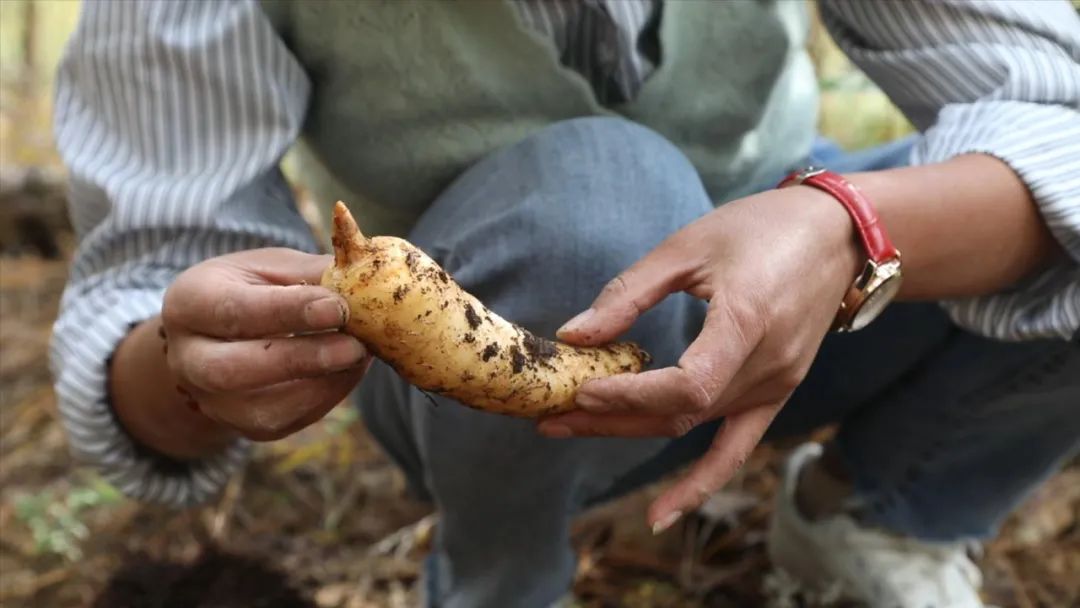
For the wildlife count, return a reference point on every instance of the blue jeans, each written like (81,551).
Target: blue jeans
(942,431)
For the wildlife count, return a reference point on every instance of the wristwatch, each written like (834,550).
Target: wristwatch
(880,279)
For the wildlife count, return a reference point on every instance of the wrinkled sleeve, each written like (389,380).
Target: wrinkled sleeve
(1000,77)
(171,118)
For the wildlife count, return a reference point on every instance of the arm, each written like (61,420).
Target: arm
(171,118)
(999,79)
(972,208)
(991,210)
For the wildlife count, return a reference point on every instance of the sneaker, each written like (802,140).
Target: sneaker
(864,564)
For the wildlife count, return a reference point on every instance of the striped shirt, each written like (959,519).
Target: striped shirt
(172,117)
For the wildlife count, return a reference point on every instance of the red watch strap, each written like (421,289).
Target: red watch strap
(867,222)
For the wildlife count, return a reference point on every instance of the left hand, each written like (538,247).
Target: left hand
(773,267)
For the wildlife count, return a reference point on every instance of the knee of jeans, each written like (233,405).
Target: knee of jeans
(575,172)
(538,228)
(623,164)
(595,188)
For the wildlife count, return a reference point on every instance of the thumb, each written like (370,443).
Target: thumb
(662,271)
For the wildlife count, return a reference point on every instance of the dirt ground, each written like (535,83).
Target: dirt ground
(322,519)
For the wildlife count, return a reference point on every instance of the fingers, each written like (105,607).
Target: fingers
(280,266)
(629,424)
(216,366)
(732,446)
(665,270)
(253,294)
(225,320)
(233,310)
(667,391)
(694,387)
(584,424)
(278,411)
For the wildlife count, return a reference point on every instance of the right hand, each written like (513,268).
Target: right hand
(251,341)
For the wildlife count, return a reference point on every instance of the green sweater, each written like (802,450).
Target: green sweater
(407,94)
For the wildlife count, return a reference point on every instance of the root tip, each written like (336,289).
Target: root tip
(347,239)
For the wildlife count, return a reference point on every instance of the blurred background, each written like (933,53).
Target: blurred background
(322,519)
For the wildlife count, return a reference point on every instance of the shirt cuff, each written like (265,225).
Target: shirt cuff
(1041,143)
(84,339)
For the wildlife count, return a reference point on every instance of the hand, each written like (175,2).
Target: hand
(774,268)
(251,341)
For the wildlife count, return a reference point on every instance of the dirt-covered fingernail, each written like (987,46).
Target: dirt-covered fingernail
(578,322)
(326,313)
(341,354)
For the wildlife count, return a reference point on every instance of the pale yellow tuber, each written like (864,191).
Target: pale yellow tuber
(412,315)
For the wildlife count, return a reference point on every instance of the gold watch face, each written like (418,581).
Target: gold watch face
(877,299)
